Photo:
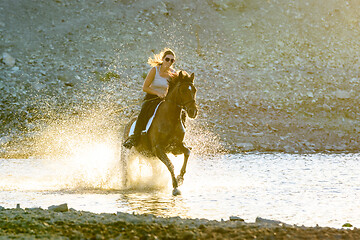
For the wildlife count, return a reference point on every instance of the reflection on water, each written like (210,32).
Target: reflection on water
(160,204)
(297,189)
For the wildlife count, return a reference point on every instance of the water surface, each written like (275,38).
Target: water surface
(305,190)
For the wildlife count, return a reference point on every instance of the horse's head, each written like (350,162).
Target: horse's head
(187,93)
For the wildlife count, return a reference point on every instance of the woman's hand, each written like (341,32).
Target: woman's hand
(162,95)
(173,74)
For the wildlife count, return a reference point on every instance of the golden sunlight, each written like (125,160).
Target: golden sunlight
(94,164)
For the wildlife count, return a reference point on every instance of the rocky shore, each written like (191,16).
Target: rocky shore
(271,75)
(59,222)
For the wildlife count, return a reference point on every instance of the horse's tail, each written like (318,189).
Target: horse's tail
(124,157)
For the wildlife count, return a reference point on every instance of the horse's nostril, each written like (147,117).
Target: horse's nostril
(192,113)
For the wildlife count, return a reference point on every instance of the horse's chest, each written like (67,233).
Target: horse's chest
(177,135)
(171,146)
(175,140)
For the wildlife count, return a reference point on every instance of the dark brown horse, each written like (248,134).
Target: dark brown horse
(166,133)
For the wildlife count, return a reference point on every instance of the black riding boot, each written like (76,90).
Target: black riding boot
(132,141)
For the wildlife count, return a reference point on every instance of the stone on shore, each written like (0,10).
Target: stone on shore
(342,94)
(45,224)
(8,60)
(268,222)
(59,208)
(235,218)
(245,146)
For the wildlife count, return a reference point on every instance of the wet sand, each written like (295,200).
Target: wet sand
(63,223)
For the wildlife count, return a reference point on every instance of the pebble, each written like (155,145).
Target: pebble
(248,24)
(347,225)
(59,208)
(264,221)
(162,8)
(15,69)
(8,59)
(245,146)
(326,107)
(5,139)
(188,235)
(342,94)
(235,218)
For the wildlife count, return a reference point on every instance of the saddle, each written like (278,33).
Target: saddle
(148,125)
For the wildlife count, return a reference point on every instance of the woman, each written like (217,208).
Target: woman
(156,86)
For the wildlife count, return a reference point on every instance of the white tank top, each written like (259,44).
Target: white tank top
(159,83)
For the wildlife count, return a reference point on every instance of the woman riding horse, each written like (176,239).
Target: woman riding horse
(156,86)
(166,133)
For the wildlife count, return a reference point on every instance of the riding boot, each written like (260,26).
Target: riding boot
(131,141)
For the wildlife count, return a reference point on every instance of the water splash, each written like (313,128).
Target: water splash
(147,173)
(75,152)
(202,140)
(90,167)
(83,153)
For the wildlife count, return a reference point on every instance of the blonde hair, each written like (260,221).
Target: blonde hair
(157,59)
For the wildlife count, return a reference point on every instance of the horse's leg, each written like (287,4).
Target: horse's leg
(186,152)
(160,153)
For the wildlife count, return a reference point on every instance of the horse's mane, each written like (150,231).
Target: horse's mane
(180,78)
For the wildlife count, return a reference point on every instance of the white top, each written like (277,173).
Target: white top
(159,83)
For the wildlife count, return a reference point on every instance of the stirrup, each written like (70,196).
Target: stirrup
(130,142)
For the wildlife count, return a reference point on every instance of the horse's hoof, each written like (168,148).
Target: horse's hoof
(176,192)
(180,180)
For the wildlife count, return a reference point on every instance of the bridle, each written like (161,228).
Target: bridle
(182,105)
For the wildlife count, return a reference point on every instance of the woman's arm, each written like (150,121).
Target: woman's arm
(148,80)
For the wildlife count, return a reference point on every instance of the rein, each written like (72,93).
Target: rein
(181,105)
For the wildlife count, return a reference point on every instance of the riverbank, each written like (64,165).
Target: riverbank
(60,222)
(272,76)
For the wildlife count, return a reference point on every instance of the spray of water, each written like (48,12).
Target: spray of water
(80,152)
(146,173)
(202,140)
(83,153)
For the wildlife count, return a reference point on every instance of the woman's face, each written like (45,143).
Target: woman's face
(168,60)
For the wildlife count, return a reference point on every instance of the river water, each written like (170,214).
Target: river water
(321,189)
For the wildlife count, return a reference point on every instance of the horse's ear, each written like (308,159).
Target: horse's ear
(180,74)
(192,77)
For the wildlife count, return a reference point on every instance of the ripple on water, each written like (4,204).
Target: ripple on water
(298,189)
